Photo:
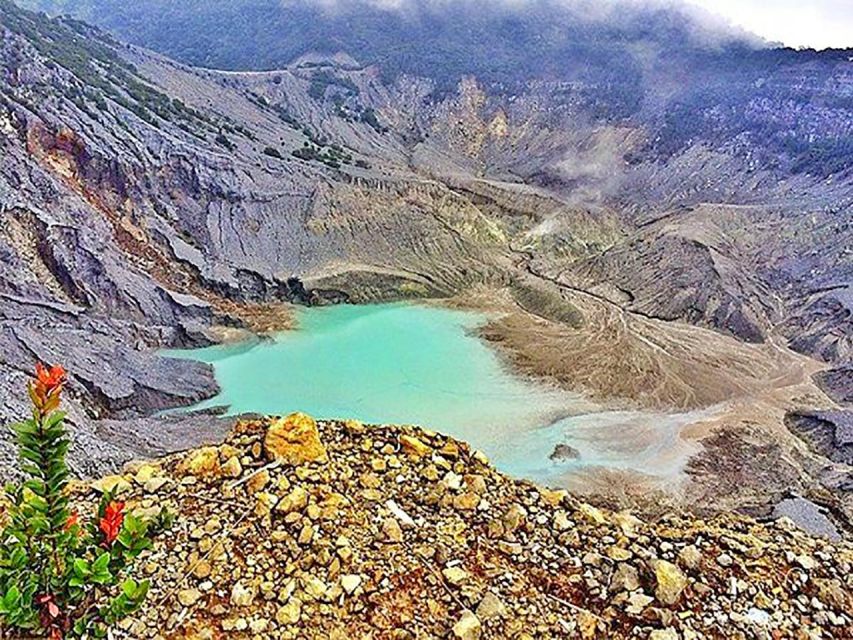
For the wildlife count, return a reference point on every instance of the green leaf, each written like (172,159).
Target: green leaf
(11,599)
(54,419)
(81,568)
(31,456)
(37,502)
(101,563)
(125,539)
(28,427)
(129,587)
(142,590)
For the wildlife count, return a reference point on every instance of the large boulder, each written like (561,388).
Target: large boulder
(294,440)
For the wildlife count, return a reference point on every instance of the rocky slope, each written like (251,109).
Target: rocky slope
(297,529)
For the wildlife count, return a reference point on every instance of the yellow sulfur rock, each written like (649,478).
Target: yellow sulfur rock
(232,467)
(592,513)
(413,446)
(468,627)
(116,484)
(145,473)
(588,624)
(553,497)
(289,613)
(670,582)
(203,463)
(466,501)
(294,440)
(450,450)
(627,522)
(296,500)
(258,482)
(264,503)
(618,553)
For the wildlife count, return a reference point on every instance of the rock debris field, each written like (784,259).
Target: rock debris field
(294,528)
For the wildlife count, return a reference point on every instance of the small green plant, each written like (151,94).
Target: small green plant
(61,578)
(223,141)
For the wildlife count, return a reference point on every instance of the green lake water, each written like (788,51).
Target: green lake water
(417,364)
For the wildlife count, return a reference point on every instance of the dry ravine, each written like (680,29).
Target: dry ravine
(294,528)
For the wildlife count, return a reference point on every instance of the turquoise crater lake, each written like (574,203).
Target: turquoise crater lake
(418,364)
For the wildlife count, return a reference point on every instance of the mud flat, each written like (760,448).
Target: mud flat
(735,398)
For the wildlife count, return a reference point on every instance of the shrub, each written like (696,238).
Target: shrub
(61,577)
(223,141)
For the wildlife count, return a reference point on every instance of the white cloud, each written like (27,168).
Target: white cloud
(795,23)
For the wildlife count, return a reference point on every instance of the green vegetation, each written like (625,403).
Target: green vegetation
(61,577)
(772,125)
(496,45)
(332,156)
(824,156)
(368,116)
(324,79)
(316,148)
(90,57)
(357,113)
(763,104)
(285,116)
(223,141)
(280,110)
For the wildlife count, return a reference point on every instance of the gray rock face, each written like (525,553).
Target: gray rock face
(707,287)
(808,516)
(129,225)
(838,383)
(829,432)
(563,452)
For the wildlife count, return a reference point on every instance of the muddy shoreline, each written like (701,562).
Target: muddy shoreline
(749,460)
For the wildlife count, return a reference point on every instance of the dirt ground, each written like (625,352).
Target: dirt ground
(747,457)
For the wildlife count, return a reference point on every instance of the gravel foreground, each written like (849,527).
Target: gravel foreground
(300,529)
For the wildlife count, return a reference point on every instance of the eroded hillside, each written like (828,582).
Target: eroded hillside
(147,204)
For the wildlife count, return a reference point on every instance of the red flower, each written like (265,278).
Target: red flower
(111,522)
(46,388)
(50,378)
(73,520)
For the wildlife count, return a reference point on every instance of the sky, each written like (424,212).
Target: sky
(795,23)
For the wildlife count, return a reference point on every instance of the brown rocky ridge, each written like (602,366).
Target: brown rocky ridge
(293,528)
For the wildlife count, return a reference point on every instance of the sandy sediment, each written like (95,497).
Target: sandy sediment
(745,456)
